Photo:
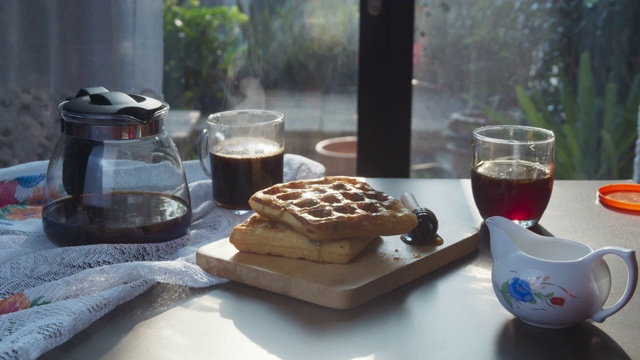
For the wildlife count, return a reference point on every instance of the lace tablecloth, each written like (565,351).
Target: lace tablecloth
(49,293)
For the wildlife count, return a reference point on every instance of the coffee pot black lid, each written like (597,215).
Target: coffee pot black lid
(100,114)
(100,101)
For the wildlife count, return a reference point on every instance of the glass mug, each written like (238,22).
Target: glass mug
(245,153)
(512,172)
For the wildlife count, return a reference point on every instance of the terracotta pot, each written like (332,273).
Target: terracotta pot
(338,155)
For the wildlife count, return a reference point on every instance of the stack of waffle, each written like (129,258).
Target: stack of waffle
(331,219)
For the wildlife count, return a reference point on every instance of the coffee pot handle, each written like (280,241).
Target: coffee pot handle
(629,257)
(203,151)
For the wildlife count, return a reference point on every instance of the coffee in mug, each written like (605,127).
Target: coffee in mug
(246,154)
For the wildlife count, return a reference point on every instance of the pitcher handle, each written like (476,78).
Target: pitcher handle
(629,257)
(203,151)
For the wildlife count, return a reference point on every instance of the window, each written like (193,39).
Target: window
(571,66)
(296,57)
(409,79)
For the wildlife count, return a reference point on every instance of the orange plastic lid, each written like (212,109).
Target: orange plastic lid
(622,196)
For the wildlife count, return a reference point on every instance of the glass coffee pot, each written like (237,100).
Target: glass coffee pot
(115,175)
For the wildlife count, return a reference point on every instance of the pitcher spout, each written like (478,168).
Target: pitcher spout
(502,232)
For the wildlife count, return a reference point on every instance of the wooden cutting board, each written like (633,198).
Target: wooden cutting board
(384,265)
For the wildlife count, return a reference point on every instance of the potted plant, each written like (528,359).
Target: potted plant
(200,45)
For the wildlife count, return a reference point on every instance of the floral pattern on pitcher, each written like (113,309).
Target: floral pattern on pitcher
(534,291)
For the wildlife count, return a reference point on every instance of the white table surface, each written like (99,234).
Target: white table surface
(451,313)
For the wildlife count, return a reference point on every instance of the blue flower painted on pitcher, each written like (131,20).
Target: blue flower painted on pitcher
(520,290)
(535,291)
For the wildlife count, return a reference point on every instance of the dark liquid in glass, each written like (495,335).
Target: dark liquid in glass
(116,217)
(237,177)
(517,191)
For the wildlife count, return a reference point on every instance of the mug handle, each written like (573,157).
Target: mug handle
(629,257)
(203,151)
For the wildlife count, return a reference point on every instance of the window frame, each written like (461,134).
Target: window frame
(384,88)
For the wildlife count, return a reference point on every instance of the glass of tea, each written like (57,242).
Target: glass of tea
(242,151)
(512,172)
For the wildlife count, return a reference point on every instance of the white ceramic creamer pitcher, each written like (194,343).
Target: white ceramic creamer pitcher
(552,282)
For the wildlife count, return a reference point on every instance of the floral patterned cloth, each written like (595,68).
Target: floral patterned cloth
(49,293)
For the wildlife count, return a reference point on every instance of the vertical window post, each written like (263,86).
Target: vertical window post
(384,88)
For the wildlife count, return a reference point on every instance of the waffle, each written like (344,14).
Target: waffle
(263,236)
(334,207)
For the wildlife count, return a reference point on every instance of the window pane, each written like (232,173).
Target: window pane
(51,49)
(297,57)
(575,62)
